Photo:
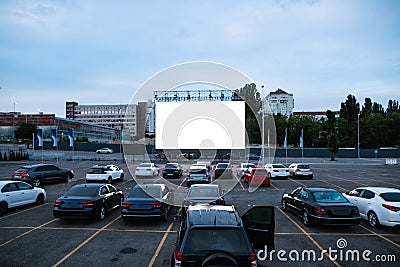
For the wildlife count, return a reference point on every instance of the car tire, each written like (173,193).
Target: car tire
(121,177)
(187,184)
(373,220)
(164,217)
(39,199)
(102,213)
(3,208)
(284,205)
(36,182)
(306,218)
(109,180)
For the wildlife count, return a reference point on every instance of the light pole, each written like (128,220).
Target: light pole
(263,127)
(358,135)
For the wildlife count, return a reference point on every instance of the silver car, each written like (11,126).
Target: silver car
(297,170)
(197,174)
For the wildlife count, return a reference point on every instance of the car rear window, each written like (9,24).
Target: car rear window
(145,165)
(278,166)
(303,166)
(260,172)
(23,170)
(149,192)
(97,170)
(391,197)
(248,165)
(329,196)
(203,192)
(82,192)
(202,241)
(198,171)
(222,166)
(171,166)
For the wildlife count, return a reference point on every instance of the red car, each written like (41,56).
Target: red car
(257,176)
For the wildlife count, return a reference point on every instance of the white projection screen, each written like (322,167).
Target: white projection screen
(200,125)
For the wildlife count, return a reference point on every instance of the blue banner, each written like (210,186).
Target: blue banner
(301,138)
(40,136)
(285,140)
(71,137)
(54,137)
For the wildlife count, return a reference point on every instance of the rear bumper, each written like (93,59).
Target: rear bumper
(87,213)
(335,221)
(142,214)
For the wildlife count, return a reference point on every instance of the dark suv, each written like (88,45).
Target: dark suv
(217,236)
(38,174)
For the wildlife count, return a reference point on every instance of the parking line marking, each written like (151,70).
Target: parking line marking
(345,189)
(381,236)
(27,232)
(274,186)
(309,237)
(9,215)
(353,181)
(290,179)
(85,242)
(153,259)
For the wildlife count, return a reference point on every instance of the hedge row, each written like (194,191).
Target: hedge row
(12,156)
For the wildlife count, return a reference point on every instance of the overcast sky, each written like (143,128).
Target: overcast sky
(100,52)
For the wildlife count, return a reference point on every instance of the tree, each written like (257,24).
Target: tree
(333,141)
(24,131)
(367,107)
(393,106)
(350,109)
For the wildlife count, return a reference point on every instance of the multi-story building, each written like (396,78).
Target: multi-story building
(130,117)
(280,102)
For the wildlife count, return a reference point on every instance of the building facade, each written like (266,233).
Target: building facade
(131,118)
(280,102)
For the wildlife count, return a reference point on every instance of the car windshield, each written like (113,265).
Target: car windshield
(391,197)
(203,192)
(260,172)
(146,165)
(171,166)
(222,166)
(198,171)
(148,192)
(23,170)
(97,170)
(329,196)
(202,241)
(81,192)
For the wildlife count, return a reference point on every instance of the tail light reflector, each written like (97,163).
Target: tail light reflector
(253,257)
(275,170)
(126,204)
(320,211)
(57,203)
(156,204)
(178,256)
(392,208)
(87,203)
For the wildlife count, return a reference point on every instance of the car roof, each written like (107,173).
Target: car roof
(213,215)
(4,182)
(204,185)
(101,166)
(316,189)
(35,165)
(198,167)
(144,186)
(379,190)
(88,185)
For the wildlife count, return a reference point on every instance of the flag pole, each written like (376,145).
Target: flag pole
(285,144)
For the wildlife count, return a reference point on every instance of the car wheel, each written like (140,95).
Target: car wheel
(164,217)
(306,218)
(373,220)
(3,208)
(102,213)
(121,177)
(40,199)
(284,207)
(187,184)
(36,182)
(109,180)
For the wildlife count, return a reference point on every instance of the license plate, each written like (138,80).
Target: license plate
(170,174)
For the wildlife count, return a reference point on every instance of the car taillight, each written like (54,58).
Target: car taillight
(320,211)
(275,170)
(253,257)
(156,204)
(392,208)
(126,204)
(148,169)
(186,202)
(297,170)
(190,175)
(178,256)
(57,203)
(220,201)
(310,170)
(137,168)
(87,203)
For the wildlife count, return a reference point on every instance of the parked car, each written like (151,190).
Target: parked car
(257,176)
(104,150)
(319,205)
(16,193)
(297,170)
(217,236)
(106,173)
(148,201)
(198,174)
(88,201)
(39,174)
(206,163)
(204,194)
(377,205)
(253,156)
(224,170)
(277,171)
(244,167)
(146,169)
(172,170)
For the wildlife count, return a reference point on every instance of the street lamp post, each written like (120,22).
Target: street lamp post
(263,127)
(358,135)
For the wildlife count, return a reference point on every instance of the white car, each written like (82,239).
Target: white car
(17,193)
(377,205)
(245,167)
(106,173)
(277,171)
(104,150)
(146,169)
(300,170)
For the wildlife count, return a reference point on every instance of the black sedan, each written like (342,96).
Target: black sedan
(321,206)
(147,201)
(38,174)
(172,170)
(88,201)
